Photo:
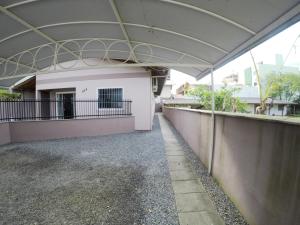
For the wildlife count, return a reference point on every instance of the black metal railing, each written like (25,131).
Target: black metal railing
(46,109)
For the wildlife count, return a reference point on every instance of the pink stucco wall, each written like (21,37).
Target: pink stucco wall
(23,131)
(256,161)
(195,129)
(135,82)
(4,133)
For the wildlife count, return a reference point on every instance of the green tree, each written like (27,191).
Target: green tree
(224,99)
(5,95)
(284,86)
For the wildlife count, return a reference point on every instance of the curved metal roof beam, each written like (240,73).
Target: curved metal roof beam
(154,64)
(121,65)
(34,29)
(142,54)
(113,39)
(177,64)
(181,4)
(127,24)
(8,60)
(154,56)
(124,31)
(20,3)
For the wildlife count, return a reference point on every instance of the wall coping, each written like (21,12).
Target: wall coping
(265,118)
(64,120)
(39,130)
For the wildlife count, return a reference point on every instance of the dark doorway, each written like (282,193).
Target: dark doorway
(68,106)
(65,105)
(45,105)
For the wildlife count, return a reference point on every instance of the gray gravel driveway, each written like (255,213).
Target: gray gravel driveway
(116,179)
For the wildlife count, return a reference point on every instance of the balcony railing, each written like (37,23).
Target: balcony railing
(49,109)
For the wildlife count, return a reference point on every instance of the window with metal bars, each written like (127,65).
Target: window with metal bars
(110,98)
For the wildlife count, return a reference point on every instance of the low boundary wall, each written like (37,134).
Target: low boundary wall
(22,131)
(4,133)
(256,161)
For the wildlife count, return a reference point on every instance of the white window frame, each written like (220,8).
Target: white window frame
(99,88)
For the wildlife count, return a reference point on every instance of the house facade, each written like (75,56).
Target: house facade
(105,90)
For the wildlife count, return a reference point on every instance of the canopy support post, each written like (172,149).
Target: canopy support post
(212,133)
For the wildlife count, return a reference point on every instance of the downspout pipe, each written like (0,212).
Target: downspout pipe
(212,134)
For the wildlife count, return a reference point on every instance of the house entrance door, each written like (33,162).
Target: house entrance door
(65,105)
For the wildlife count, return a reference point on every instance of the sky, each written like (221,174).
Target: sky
(279,44)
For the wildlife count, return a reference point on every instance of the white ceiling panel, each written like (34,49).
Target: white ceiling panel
(214,31)
(20,43)
(58,11)
(198,25)
(84,31)
(9,26)
(182,44)
(254,14)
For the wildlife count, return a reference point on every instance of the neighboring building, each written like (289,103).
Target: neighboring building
(246,94)
(250,95)
(265,70)
(248,77)
(231,79)
(166,90)
(184,87)
(275,107)
(107,85)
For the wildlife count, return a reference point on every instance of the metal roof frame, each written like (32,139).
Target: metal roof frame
(216,55)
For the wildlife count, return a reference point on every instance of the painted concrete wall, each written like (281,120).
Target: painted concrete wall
(136,84)
(194,128)
(256,161)
(4,133)
(23,131)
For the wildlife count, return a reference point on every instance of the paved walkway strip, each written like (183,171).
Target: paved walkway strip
(194,206)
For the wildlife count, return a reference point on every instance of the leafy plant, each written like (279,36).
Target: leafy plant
(284,86)
(224,99)
(5,95)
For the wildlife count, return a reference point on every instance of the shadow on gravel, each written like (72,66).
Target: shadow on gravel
(102,195)
(27,161)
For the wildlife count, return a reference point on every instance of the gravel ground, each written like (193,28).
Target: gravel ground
(116,179)
(225,207)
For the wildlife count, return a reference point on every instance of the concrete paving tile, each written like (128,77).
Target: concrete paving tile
(187,186)
(173,148)
(182,175)
(167,135)
(193,202)
(173,159)
(171,138)
(179,165)
(176,158)
(174,153)
(172,143)
(200,218)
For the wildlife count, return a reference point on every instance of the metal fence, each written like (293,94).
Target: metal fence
(46,109)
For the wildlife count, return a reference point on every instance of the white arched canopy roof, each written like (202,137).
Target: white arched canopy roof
(191,36)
